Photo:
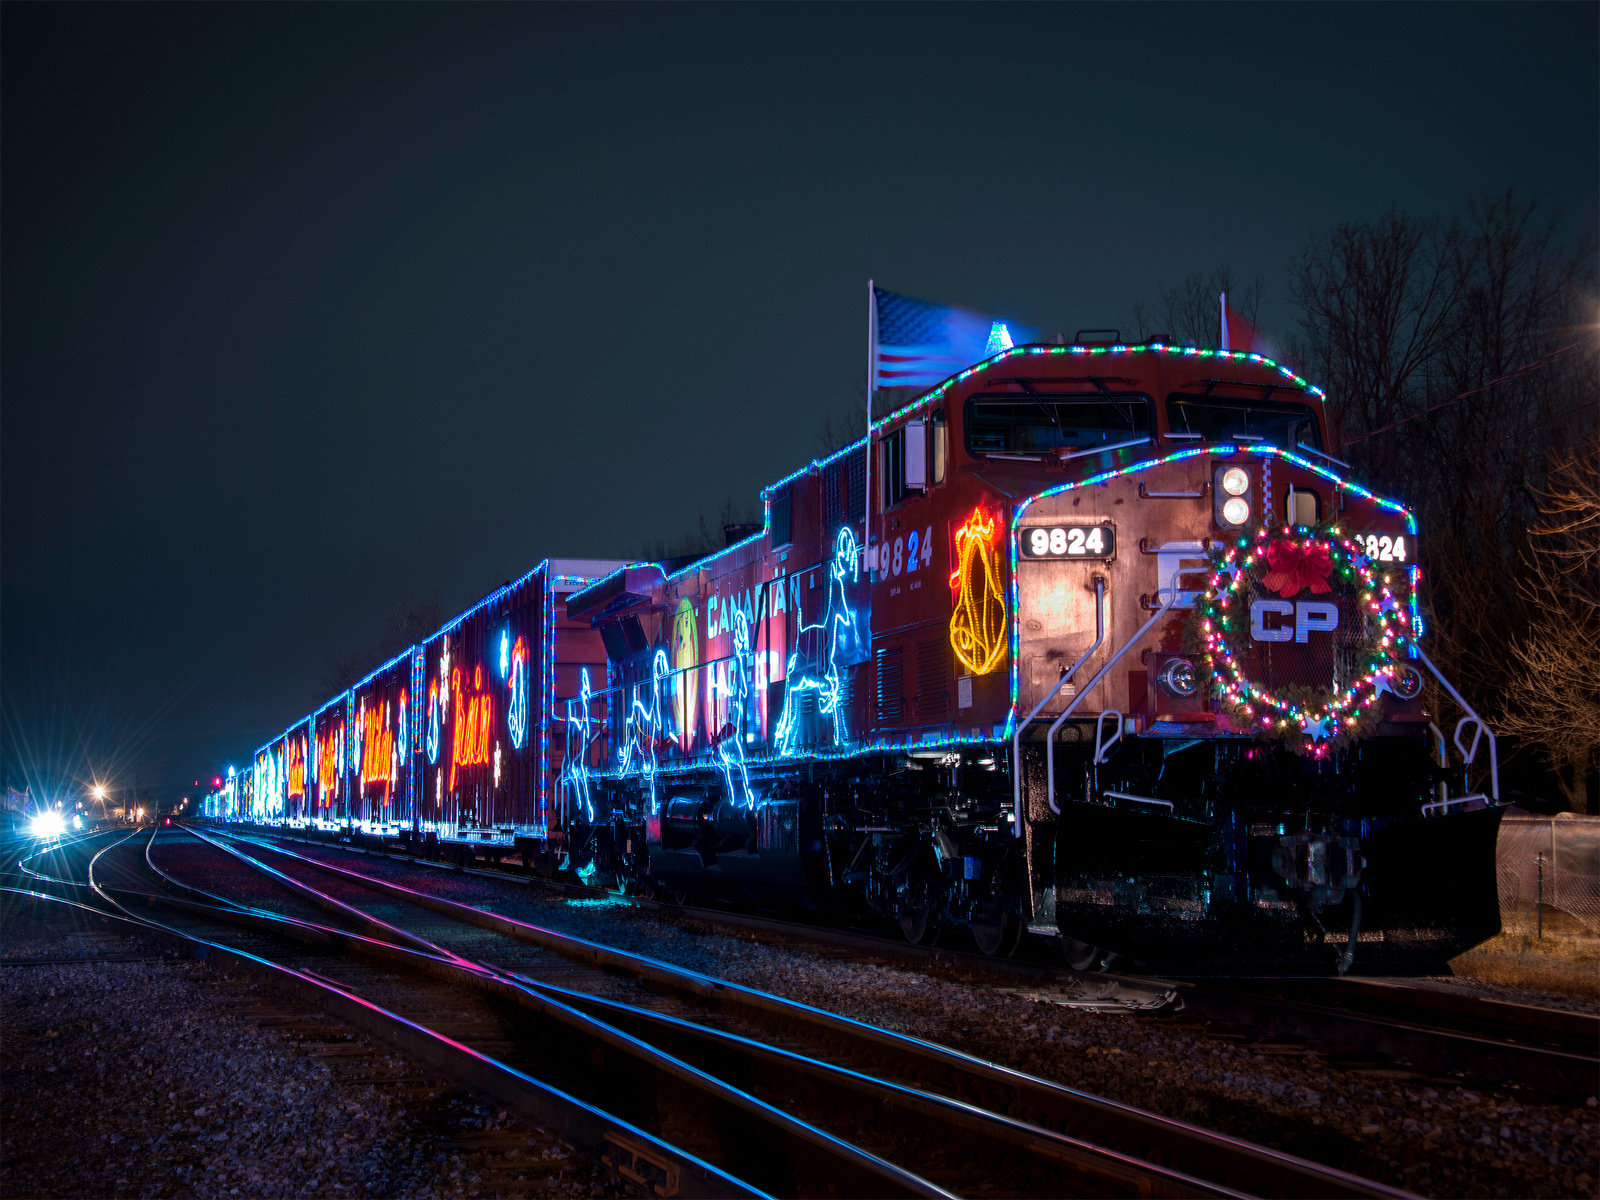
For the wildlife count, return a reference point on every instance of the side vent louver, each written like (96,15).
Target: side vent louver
(891,684)
(932,701)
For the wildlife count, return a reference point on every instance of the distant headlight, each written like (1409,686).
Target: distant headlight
(1236,481)
(48,824)
(1235,511)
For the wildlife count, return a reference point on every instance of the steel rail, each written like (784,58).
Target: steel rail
(1146,988)
(1050,1155)
(1147,1136)
(669,1170)
(1483,1061)
(724,1106)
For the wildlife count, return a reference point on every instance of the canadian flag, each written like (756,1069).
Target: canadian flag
(1237,333)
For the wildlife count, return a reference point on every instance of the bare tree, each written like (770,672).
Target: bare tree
(1378,303)
(1190,312)
(406,624)
(846,420)
(707,536)
(1456,355)
(1556,663)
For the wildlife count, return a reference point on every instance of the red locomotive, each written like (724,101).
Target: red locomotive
(1119,656)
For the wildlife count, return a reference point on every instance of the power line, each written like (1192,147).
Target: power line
(1525,369)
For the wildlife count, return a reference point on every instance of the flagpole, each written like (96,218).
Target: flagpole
(872,371)
(1224,298)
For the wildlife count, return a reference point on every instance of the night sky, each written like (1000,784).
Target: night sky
(310,312)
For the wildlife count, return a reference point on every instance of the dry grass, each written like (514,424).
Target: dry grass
(1564,960)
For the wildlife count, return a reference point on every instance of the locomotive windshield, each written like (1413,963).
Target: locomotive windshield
(1048,421)
(1228,419)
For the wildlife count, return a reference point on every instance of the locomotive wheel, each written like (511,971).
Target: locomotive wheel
(918,927)
(997,933)
(917,902)
(1081,956)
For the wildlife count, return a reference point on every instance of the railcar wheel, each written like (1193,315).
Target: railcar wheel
(997,933)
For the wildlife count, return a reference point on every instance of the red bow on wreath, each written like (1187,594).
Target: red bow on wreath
(1296,568)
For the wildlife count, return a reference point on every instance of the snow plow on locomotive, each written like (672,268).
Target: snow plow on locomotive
(1118,657)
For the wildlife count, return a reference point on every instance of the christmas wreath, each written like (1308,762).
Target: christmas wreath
(1288,563)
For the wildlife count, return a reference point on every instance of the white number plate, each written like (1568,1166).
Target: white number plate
(1387,547)
(1068,541)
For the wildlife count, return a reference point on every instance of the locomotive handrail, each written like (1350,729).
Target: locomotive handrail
(1472,718)
(1050,737)
(1146,494)
(1066,678)
(1153,801)
(1102,745)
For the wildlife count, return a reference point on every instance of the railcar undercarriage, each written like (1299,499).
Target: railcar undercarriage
(1197,854)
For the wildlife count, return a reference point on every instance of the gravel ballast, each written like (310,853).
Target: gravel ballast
(141,1075)
(302,1129)
(1374,1119)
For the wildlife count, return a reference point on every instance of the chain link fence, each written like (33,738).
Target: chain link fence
(1549,874)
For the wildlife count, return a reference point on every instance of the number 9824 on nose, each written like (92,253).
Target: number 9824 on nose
(1068,541)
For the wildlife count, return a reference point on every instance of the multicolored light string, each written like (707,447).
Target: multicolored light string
(1341,712)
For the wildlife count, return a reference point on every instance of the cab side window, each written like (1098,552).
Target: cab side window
(913,458)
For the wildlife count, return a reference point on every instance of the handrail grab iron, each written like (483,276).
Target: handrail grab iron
(1066,678)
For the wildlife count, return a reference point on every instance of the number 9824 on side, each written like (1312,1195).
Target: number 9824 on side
(1068,541)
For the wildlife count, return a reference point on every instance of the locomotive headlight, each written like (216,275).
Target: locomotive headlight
(1231,488)
(1406,682)
(1177,677)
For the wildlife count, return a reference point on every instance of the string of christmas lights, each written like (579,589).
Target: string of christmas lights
(1308,719)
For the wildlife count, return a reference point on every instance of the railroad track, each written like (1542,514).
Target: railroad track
(1105,990)
(1548,1053)
(443,1026)
(1455,1039)
(850,1076)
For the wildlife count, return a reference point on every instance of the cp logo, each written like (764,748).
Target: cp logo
(1294,622)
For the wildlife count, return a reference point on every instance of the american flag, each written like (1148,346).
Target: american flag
(919,344)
